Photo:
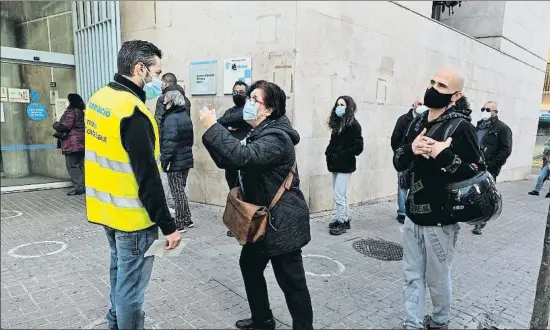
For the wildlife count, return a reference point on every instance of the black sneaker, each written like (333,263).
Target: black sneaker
(181,229)
(477,230)
(400,218)
(348,224)
(547,195)
(533,193)
(230,234)
(189,224)
(248,324)
(431,324)
(339,229)
(335,223)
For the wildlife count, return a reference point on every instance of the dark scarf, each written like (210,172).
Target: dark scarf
(449,114)
(486,124)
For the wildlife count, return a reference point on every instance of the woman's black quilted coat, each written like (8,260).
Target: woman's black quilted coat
(264,162)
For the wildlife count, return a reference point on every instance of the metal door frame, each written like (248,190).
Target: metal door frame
(96,28)
(36,57)
(12,55)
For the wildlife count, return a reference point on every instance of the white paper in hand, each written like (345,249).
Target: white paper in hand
(157,249)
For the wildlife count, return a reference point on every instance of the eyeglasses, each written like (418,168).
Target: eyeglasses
(239,92)
(253,100)
(486,109)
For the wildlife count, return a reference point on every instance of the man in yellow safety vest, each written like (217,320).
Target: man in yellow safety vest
(123,186)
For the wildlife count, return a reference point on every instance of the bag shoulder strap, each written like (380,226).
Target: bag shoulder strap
(285,186)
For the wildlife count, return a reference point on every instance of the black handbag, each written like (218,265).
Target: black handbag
(61,135)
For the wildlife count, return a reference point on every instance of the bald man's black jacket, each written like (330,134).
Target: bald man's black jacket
(425,204)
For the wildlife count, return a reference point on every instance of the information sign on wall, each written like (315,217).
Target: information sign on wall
(235,69)
(4,94)
(203,77)
(18,95)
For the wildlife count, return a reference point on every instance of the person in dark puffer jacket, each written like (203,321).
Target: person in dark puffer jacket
(346,143)
(170,83)
(176,149)
(264,160)
(69,131)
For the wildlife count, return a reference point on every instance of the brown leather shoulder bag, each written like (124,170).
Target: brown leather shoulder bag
(247,221)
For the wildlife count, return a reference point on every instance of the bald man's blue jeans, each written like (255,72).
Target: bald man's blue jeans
(427,257)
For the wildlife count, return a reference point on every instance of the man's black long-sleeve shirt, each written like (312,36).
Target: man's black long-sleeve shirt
(138,139)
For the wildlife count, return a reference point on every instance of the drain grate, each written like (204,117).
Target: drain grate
(379,249)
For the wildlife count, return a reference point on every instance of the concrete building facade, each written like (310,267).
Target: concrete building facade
(383,54)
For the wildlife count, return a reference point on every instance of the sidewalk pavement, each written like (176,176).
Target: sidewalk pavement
(54,269)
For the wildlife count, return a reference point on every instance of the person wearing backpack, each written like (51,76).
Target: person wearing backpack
(440,148)
(69,131)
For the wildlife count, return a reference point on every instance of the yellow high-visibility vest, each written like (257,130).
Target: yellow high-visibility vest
(111,187)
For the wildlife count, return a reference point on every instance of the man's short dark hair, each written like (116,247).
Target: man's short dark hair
(240,83)
(274,97)
(169,78)
(134,51)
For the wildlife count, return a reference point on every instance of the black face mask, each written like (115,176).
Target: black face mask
(239,100)
(436,100)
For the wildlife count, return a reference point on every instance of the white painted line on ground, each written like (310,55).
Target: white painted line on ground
(341,267)
(24,256)
(3,212)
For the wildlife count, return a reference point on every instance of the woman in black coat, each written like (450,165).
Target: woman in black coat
(346,143)
(264,160)
(176,153)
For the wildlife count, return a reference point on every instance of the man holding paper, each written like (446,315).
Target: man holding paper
(123,186)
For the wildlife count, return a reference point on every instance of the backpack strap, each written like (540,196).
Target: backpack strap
(451,128)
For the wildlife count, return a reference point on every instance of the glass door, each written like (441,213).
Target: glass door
(35,99)
(37,73)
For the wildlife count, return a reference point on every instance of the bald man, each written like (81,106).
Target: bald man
(495,140)
(430,163)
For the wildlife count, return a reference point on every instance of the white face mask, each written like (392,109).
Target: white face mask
(485,115)
(421,109)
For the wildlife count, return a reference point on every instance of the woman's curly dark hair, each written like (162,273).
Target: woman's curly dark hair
(337,124)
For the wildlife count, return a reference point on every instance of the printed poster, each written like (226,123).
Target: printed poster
(4,94)
(203,77)
(236,69)
(18,95)
(60,107)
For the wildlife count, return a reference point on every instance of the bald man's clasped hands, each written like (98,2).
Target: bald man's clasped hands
(427,147)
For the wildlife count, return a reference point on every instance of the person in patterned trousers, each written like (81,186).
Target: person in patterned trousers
(176,149)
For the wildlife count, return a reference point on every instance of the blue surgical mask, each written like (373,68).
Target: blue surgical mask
(340,111)
(250,111)
(153,88)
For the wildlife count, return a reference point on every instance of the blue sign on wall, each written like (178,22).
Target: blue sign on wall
(37,111)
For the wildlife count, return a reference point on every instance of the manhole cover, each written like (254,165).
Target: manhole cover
(379,249)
